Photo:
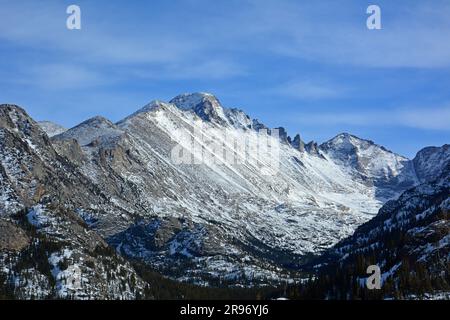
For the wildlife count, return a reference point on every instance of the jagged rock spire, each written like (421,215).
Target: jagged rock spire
(282,134)
(312,148)
(298,144)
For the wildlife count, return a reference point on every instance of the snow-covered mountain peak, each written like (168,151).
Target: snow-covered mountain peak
(152,106)
(187,101)
(371,163)
(91,130)
(205,105)
(96,121)
(51,128)
(347,141)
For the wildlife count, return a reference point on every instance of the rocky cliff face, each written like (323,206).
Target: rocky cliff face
(46,249)
(298,143)
(430,163)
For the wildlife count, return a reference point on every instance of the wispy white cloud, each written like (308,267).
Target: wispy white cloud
(164,50)
(56,76)
(311,90)
(433,118)
(414,34)
(209,69)
(64,76)
(215,69)
(41,26)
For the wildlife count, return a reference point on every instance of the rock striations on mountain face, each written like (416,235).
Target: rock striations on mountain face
(205,220)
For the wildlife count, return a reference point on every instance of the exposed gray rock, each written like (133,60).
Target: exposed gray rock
(205,105)
(283,135)
(12,238)
(312,148)
(430,163)
(298,143)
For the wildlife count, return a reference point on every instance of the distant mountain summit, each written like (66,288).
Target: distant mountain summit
(372,164)
(205,105)
(50,128)
(96,128)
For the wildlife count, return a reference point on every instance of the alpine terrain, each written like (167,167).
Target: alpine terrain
(80,207)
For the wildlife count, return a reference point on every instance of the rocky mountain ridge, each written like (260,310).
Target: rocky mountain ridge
(198,221)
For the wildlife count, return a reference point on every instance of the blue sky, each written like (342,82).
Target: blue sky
(310,66)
